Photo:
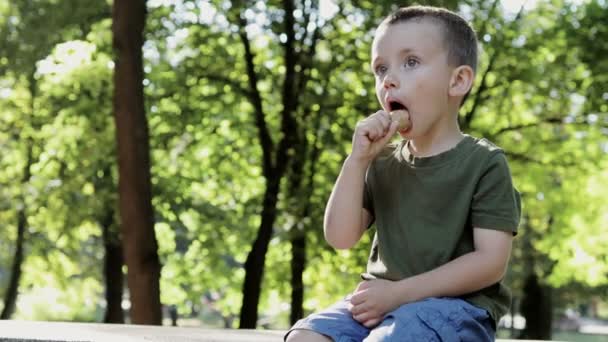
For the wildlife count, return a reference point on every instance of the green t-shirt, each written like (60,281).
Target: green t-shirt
(425,209)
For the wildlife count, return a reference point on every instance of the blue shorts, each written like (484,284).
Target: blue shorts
(433,319)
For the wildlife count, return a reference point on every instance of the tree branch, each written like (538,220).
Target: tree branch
(483,87)
(306,65)
(289,97)
(550,120)
(484,26)
(523,158)
(256,101)
(235,85)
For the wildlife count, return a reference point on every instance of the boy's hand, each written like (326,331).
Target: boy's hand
(372,299)
(371,135)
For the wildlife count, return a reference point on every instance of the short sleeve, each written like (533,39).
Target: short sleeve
(368,200)
(496,202)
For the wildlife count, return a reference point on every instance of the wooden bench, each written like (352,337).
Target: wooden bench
(25,331)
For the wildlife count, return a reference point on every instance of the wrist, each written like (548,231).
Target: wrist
(353,161)
(406,290)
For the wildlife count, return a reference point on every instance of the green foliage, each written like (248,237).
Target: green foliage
(540,94)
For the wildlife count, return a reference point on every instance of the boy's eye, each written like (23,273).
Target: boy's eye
(380,70)
(411,62)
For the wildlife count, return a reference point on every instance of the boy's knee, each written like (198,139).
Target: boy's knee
(306,336)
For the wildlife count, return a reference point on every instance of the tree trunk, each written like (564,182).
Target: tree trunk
(301,191)
(10,298)
(112,270)
(297,232)
(536,307)
(298,264)
(273,172)
(254,266)
(139,241)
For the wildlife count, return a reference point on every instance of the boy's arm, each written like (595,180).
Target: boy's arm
(471,272)
(345,219)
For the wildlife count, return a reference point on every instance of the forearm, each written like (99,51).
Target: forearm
(468,273)
(343,218)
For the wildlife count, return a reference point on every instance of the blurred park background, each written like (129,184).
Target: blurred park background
(172,158)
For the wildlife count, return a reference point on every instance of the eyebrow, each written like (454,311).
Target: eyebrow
(406,51)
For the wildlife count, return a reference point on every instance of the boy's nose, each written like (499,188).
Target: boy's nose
(390,81)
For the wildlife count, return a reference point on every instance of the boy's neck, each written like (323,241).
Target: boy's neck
(441,140)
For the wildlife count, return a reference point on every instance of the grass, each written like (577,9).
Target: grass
(565,336)
(578,337)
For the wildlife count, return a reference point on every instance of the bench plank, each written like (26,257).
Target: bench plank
(29,331)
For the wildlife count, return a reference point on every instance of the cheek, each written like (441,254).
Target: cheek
(428,96)
(416,84)
(379,93)
(431,89)
(379,87)
(428,81)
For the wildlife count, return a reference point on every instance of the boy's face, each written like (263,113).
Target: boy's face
(411,70)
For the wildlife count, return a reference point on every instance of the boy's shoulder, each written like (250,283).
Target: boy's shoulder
(486,145)
(485,152)
(484,149)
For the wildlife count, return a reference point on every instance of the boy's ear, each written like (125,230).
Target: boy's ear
(461,80)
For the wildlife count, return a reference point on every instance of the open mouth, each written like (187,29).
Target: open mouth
(405,122)
(394,105)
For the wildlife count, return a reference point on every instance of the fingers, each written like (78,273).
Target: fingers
(389,134)
(372,322)
(357,298)
(361,310)
(384,118)
(357,304)
(376,125)
(372,134)
(358,309)
(365,316)
(362,286)
(373,130)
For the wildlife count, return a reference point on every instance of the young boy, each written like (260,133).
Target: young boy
(443,202)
